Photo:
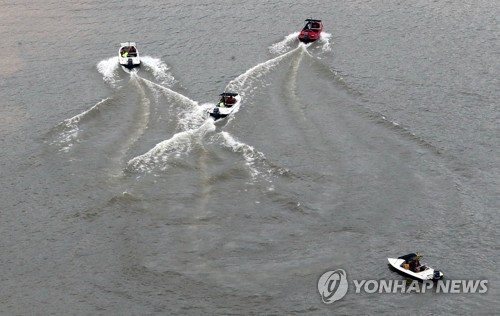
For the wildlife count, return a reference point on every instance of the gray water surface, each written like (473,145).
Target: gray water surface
(119,197)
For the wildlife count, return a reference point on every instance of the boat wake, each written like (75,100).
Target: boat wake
(190,121)
(159,69)
(89,124)
(111,69)
(254,78)
(291,85)
(246,83)
(254,159)
(142,120)
(193,124)
(286,44)
(169,93)
(176,146)
(68,130)
(324,39)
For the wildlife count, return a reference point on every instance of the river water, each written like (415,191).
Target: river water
(119,197)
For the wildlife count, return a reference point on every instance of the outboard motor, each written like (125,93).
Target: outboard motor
(437,275)
(130,63)
(215,114)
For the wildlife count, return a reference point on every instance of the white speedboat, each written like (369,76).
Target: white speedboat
(228,103)
(128,55)
(409,265)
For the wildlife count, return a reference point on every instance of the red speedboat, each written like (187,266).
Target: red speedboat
(311,31)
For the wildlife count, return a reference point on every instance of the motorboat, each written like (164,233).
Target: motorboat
(409,265)
(128,55)
(227,104)
(311,31)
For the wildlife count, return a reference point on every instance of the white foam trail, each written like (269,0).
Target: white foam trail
(248,152)
(108,68)
(304,48)
(295,68)
(177,96)
(251,156)
(192,123)
(246,79)
(159,70)
(180,143)
(144,116)
(193,117)
(291,84)
(324,38)
(70,128)
(244,83)
(284,45)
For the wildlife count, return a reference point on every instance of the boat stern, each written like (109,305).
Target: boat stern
(437,275)
(308,37)
(130,62)
(216,114)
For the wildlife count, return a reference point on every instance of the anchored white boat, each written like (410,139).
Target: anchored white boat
(228,103)
(128,55)
(409,265)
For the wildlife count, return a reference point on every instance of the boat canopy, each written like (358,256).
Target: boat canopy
(409,257)
(228,94)
(312,20)
(127,44)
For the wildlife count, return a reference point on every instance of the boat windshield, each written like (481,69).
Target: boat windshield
(312,25)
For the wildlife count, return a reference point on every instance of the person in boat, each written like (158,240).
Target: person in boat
(409,261)
(413,266)
(227,101)
(222,103)
(417,262)
(125,54)
(132,51)
(230,101)
(414,263)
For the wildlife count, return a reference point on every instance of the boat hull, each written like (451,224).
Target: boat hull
(428,274)
(308,37)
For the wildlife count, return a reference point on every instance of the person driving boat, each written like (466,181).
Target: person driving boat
(227,101)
